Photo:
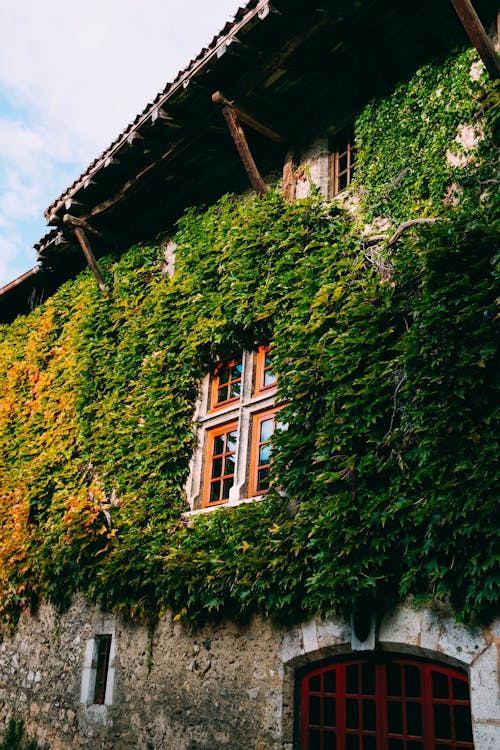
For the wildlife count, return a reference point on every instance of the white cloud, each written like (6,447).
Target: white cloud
(72,76)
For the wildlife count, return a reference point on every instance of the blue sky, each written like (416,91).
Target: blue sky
(72,76)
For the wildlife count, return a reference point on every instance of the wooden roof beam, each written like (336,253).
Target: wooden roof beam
(478,36)
(221,100)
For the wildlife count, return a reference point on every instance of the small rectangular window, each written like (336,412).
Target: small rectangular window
(264,425)
(103,648)
(220,463)
(343,159)
(265,377)
(226,384)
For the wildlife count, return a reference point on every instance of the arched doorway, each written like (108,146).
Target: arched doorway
(385,703)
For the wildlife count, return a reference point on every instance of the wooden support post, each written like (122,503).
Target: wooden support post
(221,100)
(289,182)
(89,255)
(478,36)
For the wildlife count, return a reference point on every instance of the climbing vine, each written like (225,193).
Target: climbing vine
(388,471)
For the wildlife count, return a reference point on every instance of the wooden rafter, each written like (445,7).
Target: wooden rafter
(478,36)
(242,115)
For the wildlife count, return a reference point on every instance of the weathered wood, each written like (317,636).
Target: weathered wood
(90,257)
(77,221)
(221,100)
(478,36)
(246,157)
(289,181)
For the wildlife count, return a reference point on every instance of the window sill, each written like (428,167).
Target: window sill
(188,514)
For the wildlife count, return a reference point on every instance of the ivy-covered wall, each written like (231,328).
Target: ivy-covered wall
(387,356)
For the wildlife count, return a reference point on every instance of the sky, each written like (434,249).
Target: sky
(73,75)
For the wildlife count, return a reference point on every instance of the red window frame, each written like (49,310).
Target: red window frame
(263,371)
(219,383)
(385,704)
(221,477)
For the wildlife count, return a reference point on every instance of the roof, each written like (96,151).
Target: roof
(295,66)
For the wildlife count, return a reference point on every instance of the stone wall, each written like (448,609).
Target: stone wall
(219,687)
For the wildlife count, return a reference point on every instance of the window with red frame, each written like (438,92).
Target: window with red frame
(220,463)
(226,384)
(390,704)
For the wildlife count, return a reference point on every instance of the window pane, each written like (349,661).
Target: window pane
(232,437)
(352,742)
(229,465)
(223,375)
(214,492)
(315,684)
(412,682)
(329,706)
(314,740)
(394,717)
(226,486)
(369,743)
(236,371)
(439,685)
(412,745)
(352,678)
(369,714)
(263,479)
(352,714)
(314,710)
(264,454)
(442,722)
(216,468)
(218,445)
(266,429)
(460,690)
(394,679)
(330,681)
(463,729)
(414,719)
(330,741)
(396,745)
(235,389)
(368,679)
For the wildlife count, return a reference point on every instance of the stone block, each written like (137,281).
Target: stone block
(485,688)
(402,625)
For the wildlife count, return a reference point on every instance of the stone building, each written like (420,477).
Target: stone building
(274,99)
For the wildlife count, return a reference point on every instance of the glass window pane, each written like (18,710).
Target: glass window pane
(330,681)
(412,681)
(368,679)
(369,714)
(460,690)
(442,721)
(315,683)
(352,742)
(263,479)
(329,708)
(223,375)
(394,679)
(214,492)
(226,486)
(351,714)
(439,685)
(352,678)
(235,389)
(232,438)
(229,465)
(412,745)
(264,454)
(394,717)
(236,371)
(314,710)
(463,728)
(330,741)
(414,719)
(269,377)
(266,429)
(216,467)
(314,739)
(218,445)
(396,745)
(222,394)
(369,743)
